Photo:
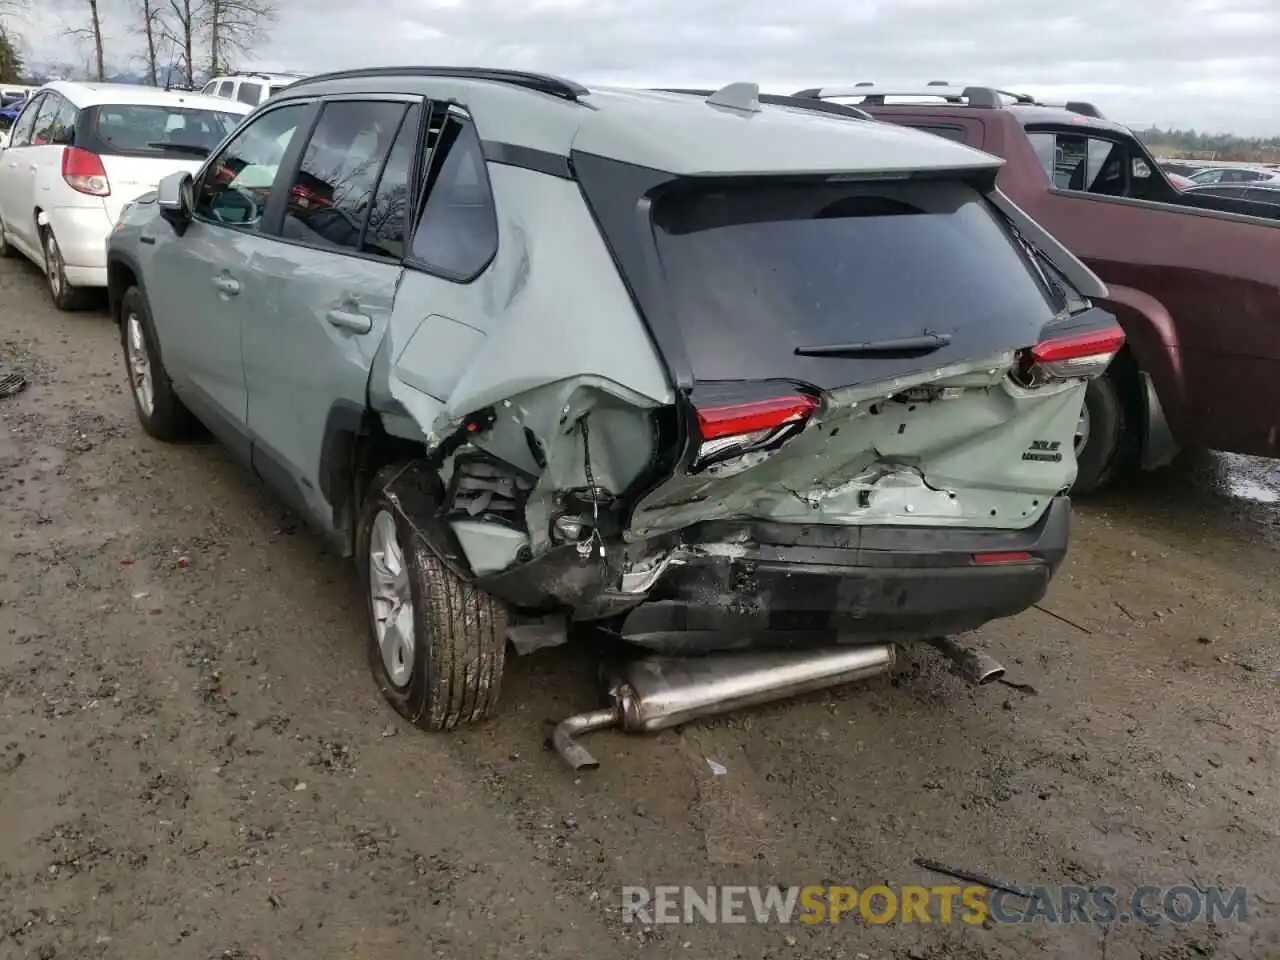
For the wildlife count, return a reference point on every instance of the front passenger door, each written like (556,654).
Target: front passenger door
(202,286)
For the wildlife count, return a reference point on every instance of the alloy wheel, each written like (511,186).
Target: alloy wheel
(391,600)
(139,363)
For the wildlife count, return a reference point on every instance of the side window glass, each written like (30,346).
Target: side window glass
(457,234)
(48,107)
(21,134)
(1065,158)
(236,184)
(226,88)
(249,93)
(384,233)
(57,122)
(210,87)
(333,188)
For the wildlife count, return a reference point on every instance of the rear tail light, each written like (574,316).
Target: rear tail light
(83,171)
(731,430)
(1070,357)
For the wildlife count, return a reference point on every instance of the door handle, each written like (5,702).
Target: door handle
(349,320)
(35,166)
(228,285)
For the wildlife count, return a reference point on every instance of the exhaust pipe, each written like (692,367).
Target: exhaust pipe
(654,693)
(971,665)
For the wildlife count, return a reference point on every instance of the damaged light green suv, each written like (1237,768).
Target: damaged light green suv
(716,371)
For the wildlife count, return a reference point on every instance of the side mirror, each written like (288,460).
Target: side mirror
(175,196)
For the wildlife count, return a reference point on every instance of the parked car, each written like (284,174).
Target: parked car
(619,356)
(77,154)
(1262,191)
(1234,174)
(1192,276)
(249,87)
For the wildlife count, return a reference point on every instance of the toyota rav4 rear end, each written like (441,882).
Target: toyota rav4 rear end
(877,366)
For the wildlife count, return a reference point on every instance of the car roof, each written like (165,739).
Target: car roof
(726,134)
(92,94)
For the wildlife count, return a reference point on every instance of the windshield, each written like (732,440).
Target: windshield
(159,130)
(757,270)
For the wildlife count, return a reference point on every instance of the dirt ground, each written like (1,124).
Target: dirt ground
(194,762)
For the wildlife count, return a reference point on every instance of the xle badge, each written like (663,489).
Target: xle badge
(1046,450)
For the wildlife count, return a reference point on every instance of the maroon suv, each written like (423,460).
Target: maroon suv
(1194,279)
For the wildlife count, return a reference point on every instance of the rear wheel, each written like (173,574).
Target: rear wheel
(63,294)
(1103,437)
(437,644)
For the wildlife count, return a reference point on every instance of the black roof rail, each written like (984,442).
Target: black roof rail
(540,82)
(779,100)
(1024,98)
(986,98)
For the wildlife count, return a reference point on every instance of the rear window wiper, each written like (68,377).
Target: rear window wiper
(916,346)
(191,148)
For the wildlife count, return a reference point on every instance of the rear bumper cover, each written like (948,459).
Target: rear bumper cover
(795,583)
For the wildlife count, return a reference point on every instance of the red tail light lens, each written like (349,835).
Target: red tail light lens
(738,418)
(730,430)
(1071,357)
(83,171)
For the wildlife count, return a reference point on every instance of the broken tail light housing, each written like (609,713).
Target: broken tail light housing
(730,430)
(1073,356)
(83,171)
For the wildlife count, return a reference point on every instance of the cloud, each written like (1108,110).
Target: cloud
(1211,64)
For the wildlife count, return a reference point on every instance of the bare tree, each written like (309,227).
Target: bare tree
(92,31)
(150,13)
(180,24)
(233,28)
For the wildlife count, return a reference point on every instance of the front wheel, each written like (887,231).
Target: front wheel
(160,411)
(437,644)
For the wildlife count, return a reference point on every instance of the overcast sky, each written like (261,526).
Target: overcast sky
(1211,64)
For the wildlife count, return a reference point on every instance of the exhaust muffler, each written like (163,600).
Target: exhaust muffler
(971,665)
(654,693)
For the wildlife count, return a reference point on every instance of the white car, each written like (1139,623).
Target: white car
(249,87)
(78,153)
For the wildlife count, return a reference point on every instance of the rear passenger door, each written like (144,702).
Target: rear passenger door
(326,288)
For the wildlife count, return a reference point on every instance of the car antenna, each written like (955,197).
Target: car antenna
(744,97)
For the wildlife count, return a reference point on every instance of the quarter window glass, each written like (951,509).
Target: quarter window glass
(384,233)
(236,185)
(21,135)
(457,234)
(333,188)
(249,93)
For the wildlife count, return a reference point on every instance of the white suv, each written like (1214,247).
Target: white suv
(78,153)
(250,88)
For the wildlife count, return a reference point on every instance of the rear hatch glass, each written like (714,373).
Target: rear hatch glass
(139,144)
(155,130)
(756,270)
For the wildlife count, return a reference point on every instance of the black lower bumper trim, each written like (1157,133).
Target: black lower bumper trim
(794,583)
